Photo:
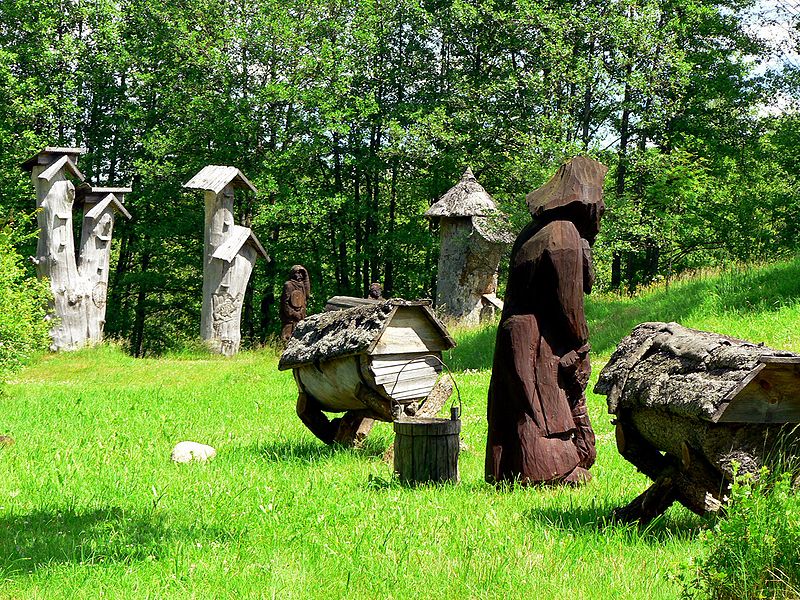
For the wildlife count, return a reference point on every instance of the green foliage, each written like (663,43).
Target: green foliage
(352,117)
(753,553)
(23,304)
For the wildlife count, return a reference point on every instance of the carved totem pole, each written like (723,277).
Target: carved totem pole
(79,286)
(473,237)
(230,251)
(539,429)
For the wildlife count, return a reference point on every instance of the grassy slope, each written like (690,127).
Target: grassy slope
(90,504)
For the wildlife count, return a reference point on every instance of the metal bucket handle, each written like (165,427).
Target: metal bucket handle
(455,411)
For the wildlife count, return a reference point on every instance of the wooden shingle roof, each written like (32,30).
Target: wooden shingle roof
(216,177)
(351,331)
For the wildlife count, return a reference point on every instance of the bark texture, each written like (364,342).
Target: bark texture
(668,386)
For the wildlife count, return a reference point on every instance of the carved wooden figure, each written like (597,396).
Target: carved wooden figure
(473,238)
(230,252)
(539,430)
(294,300)
(79,285)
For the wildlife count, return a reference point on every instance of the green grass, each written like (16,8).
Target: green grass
(91,506)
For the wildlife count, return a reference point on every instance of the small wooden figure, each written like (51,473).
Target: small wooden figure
(539,429)
(79,284)
(473,238)
(294,300)
(693,408)
(230,254)
(375,291)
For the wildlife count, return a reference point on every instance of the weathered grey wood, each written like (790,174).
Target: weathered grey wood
(78,284)
(95,257)
(692,373)
(426,450)
(473,237)
(336,367)
(360,330)
(341,302)
(690,405)
(230,253)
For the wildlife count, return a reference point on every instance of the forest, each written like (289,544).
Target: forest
(352,117)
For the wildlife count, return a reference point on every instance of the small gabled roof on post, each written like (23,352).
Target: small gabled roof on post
(103,196)
(100,206)
(50,154)
(467,198)
(238,236)
(215,177)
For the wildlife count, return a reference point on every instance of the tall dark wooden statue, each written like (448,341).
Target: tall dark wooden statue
(539,429)
(294,300)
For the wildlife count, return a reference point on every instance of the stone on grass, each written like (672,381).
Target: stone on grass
(185,452)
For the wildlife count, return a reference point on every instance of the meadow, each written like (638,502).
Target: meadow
(91,505)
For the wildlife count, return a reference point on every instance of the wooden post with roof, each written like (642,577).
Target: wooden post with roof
(230,252)
(473,237)
(79,286)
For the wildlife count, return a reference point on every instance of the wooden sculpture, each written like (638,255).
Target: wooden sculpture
(692,408)
(79,284)
(375,291)
(539,430)
(294,300)
(230,254)
(473,239)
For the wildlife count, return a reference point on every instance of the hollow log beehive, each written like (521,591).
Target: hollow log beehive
(370,357)
(693,408)
(474,236)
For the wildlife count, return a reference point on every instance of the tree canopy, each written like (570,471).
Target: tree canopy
(352,117)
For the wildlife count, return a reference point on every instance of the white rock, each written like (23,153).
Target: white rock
(185,452)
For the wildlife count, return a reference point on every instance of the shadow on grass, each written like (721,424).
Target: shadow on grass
(106,535)
(597,519)
(311,451)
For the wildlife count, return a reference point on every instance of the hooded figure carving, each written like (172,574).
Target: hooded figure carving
(539,429)
(294,300)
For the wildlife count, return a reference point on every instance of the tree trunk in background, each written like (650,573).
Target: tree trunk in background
(137,335)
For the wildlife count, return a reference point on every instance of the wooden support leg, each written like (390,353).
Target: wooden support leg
(353,429)
(648,505)
(311,415)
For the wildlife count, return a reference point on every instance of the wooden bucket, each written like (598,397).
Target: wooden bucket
(426,450)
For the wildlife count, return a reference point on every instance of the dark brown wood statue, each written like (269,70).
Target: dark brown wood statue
(294,300)
(539,430)
(375,291)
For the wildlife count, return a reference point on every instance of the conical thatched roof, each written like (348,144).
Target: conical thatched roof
(467,198)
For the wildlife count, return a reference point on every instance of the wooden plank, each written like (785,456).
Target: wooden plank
(772,359)
(236,237)
(98,208)
(216,177)
(772,396)
(409,331)
(62,163)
